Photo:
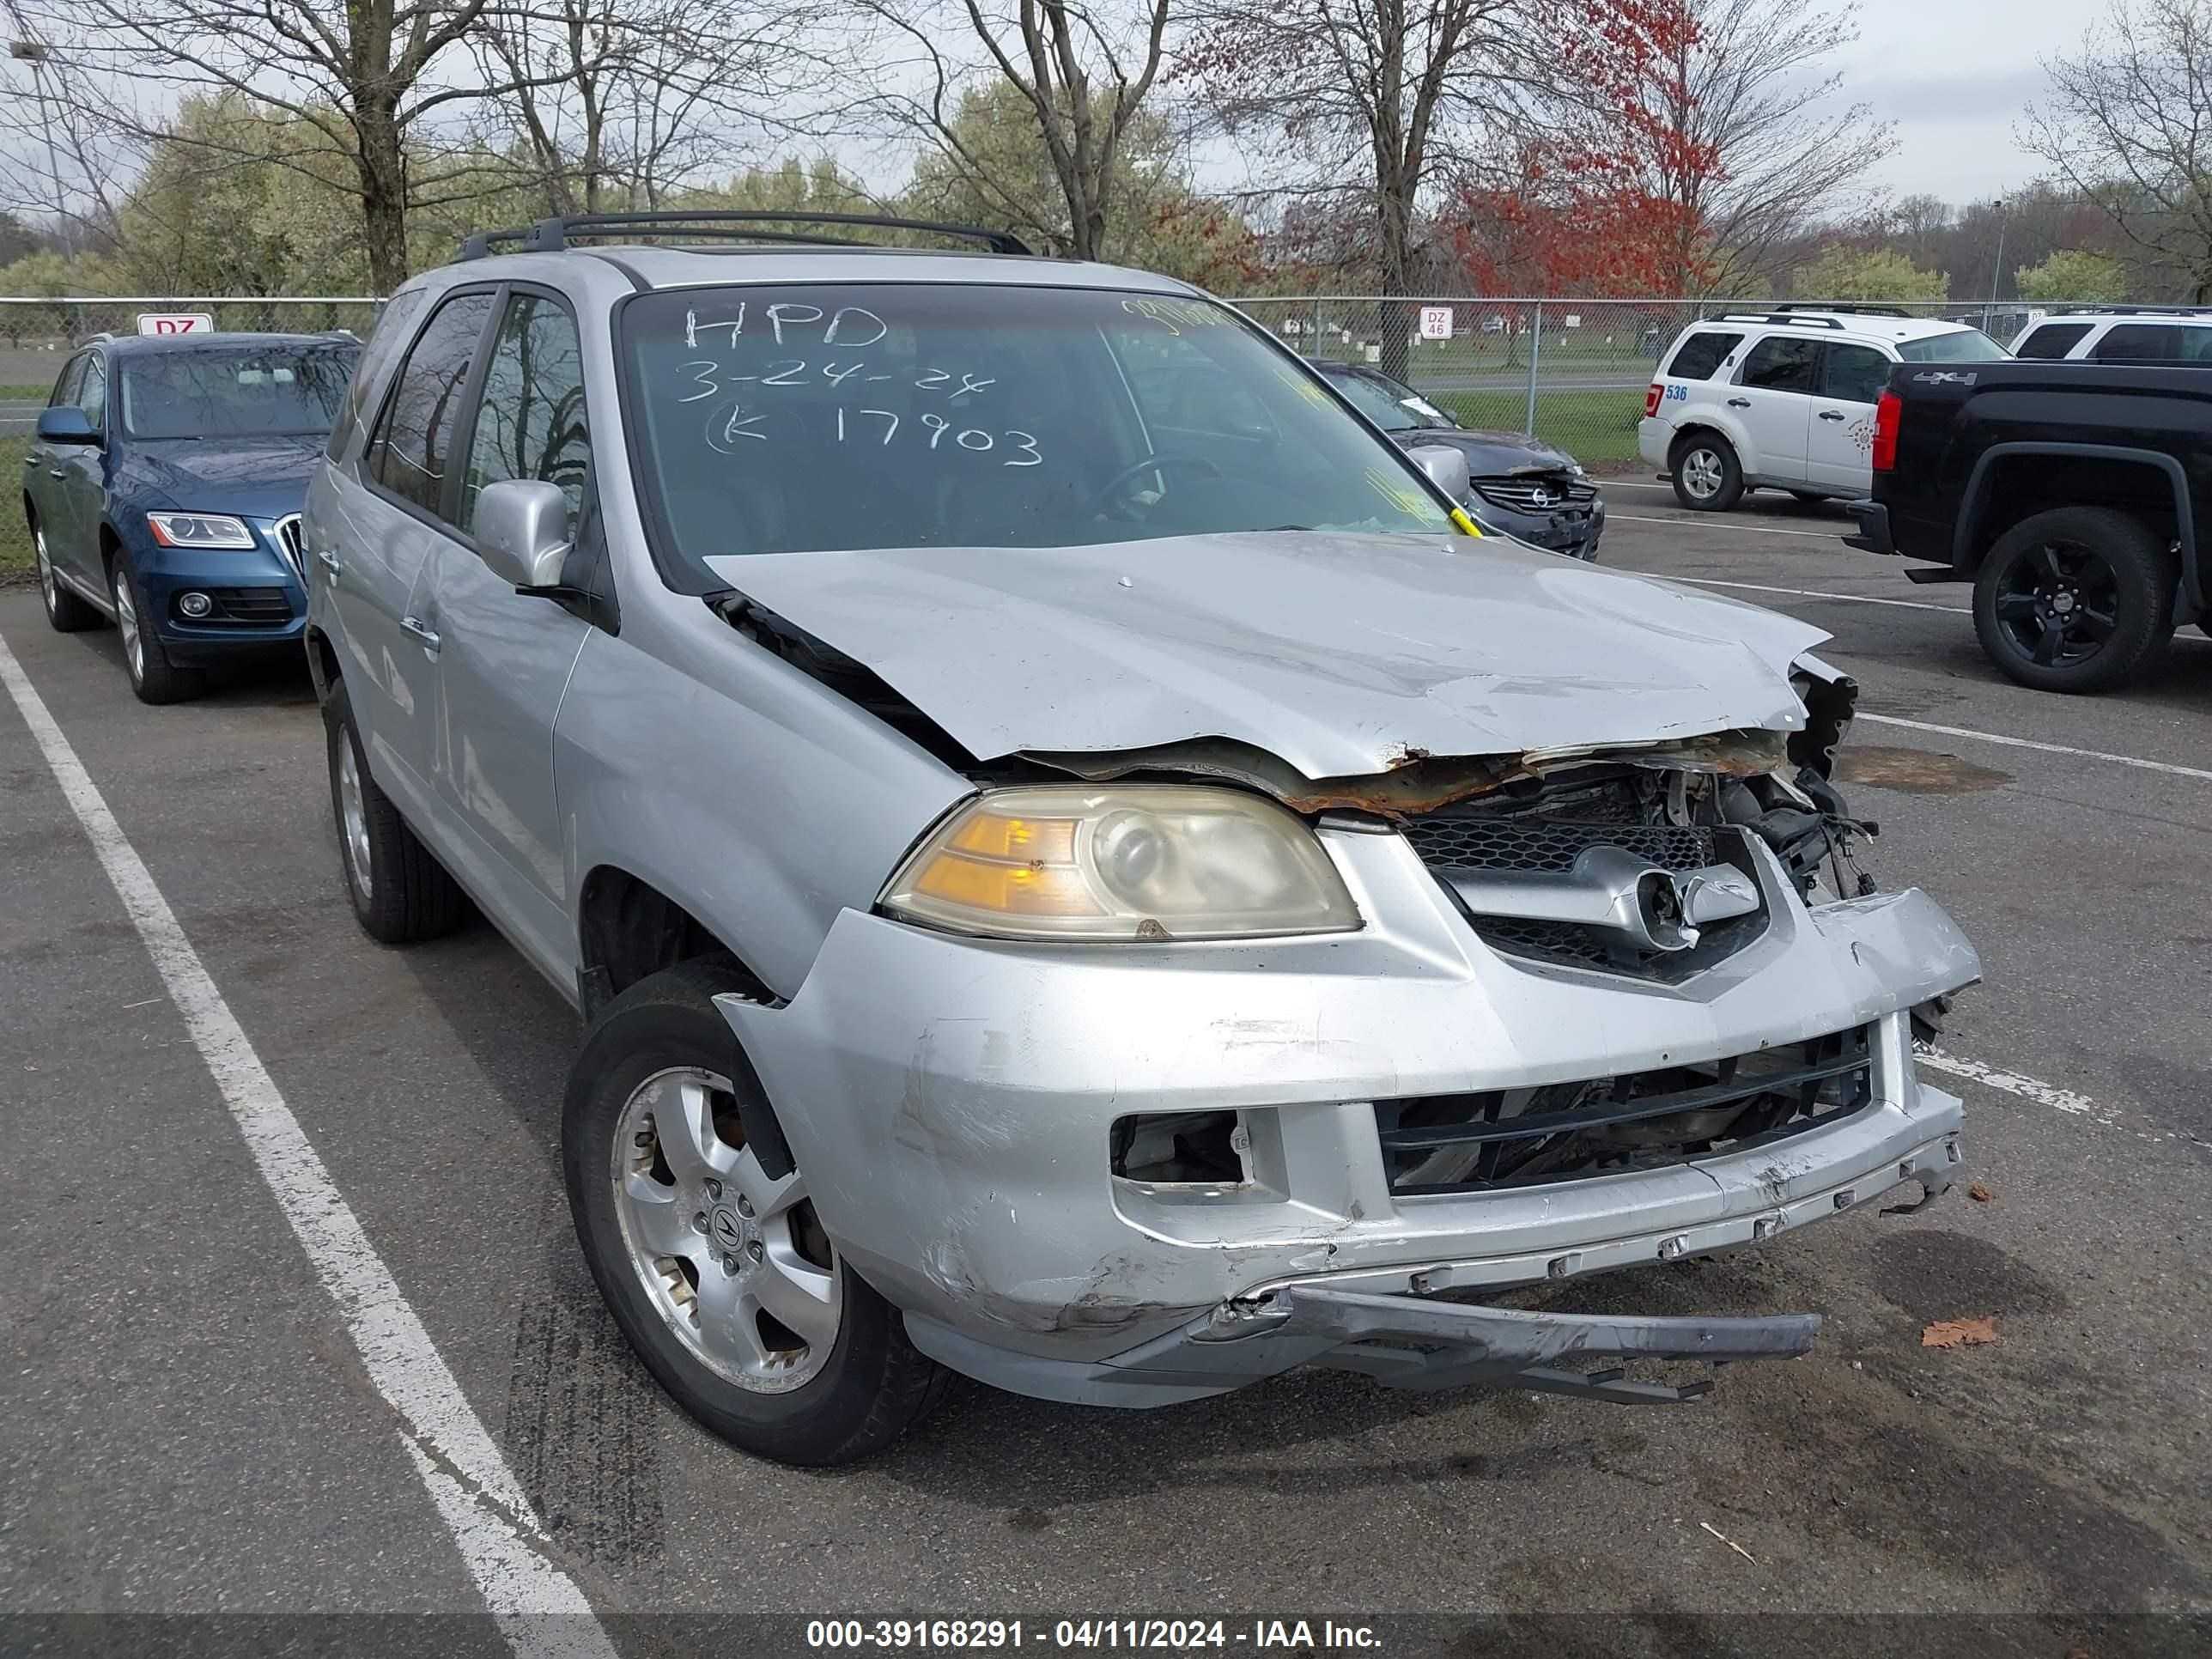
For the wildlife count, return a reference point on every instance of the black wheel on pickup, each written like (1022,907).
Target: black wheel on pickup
(2080,598)
(709,1254)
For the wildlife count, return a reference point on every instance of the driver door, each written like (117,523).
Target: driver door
(1840,443)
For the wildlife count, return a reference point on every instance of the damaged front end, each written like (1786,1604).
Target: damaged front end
(1605,1000)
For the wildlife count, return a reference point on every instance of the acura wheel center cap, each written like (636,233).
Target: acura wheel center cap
(730,1231)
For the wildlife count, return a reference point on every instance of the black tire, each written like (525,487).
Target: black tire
(154,678)
(1701,455)
(405,894)
(66,612)
(873,1385)
(2079,599)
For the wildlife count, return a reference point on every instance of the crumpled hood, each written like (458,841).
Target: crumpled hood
(260,478)
(1343,655)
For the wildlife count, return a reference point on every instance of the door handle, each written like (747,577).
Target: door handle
(421,631)
(1831,415)
(329,562)
(1739,403)
(58,472)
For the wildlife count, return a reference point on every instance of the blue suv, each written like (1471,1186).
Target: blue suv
(164,487)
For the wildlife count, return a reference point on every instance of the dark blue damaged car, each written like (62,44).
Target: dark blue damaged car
(163,490)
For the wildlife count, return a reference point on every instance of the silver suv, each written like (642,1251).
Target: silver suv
(1079,868)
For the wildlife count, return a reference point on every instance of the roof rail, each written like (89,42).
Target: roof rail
(721,224)
(2134,311)
(1847,307)
(1798,320)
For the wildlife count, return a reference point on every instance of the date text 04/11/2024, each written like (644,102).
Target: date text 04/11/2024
(1167,1635)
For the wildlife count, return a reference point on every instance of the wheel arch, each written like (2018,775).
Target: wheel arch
(322,663)
(628,928)
(2014,482)
(1706,422)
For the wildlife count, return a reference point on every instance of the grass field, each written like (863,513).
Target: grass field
(9,394)
(14,534)
(1598,429)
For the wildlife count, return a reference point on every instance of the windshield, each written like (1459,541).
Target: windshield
(915,415)
(283,391)
(1393,407)
(1968,345)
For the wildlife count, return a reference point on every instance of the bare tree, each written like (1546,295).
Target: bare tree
(619,102)
(2128,123)
(1083,73)
(1744,143)
(371,79)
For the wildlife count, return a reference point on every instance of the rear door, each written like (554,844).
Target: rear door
(1772,397)
(83,486)
(504,657)
(1840,443)
(376,548)
(44,474)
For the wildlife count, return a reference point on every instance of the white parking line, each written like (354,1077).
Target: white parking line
(538,1607)
(2166,766)
(1722,524)
(2027,1088)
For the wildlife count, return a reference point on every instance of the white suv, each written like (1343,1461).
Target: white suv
(1784,399)
(2148,334)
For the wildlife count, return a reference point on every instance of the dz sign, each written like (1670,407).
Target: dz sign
(175,322)
(1436,322)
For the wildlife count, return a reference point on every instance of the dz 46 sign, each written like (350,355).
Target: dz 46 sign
(175,322)
(1436,322)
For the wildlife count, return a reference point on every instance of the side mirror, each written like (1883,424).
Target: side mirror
(1446,467)
(522,530)
(65,423)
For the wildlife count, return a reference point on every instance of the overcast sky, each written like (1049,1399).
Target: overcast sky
(1954,74)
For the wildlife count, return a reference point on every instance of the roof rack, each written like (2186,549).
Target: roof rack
(1847,307)
(1799,320)
(730,224)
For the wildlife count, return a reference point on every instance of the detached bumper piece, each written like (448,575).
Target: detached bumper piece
(1406,1342)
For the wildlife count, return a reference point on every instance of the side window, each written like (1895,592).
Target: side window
(1778,363)
(2051,342)
(2196,345)
(529,424)
(66,383)
(2139,343)
(408,454)
(385,341)
(93,398)
(1699,354)
(1854,373)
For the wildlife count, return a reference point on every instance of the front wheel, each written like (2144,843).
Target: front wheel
(719,1273)
(154,678)
(1708,476)
(2080,598)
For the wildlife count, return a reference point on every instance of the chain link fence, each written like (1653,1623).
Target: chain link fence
(1571,372)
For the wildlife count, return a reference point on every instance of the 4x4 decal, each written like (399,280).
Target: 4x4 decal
(1944,377)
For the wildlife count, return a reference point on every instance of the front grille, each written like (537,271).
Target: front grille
(1521,494)
(261,605)
(292,540)
(1446,842)
(1546,832)
(1507,1138)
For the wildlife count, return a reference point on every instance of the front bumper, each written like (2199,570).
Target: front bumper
(1574,532)
(951,1102)
(257,600)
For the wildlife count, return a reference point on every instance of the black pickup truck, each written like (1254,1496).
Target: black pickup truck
(2069,495)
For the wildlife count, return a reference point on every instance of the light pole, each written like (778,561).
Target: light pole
(35,54)
(1988,316)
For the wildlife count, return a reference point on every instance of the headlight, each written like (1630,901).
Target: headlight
(1077,861)
(199,530)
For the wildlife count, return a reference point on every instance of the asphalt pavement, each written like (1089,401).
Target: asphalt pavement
(186,1424)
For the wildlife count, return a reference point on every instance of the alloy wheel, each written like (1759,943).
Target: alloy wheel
(2059,604)
(1702,473)
(126,618)
(735,1263)
(49,588)
(353,825)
